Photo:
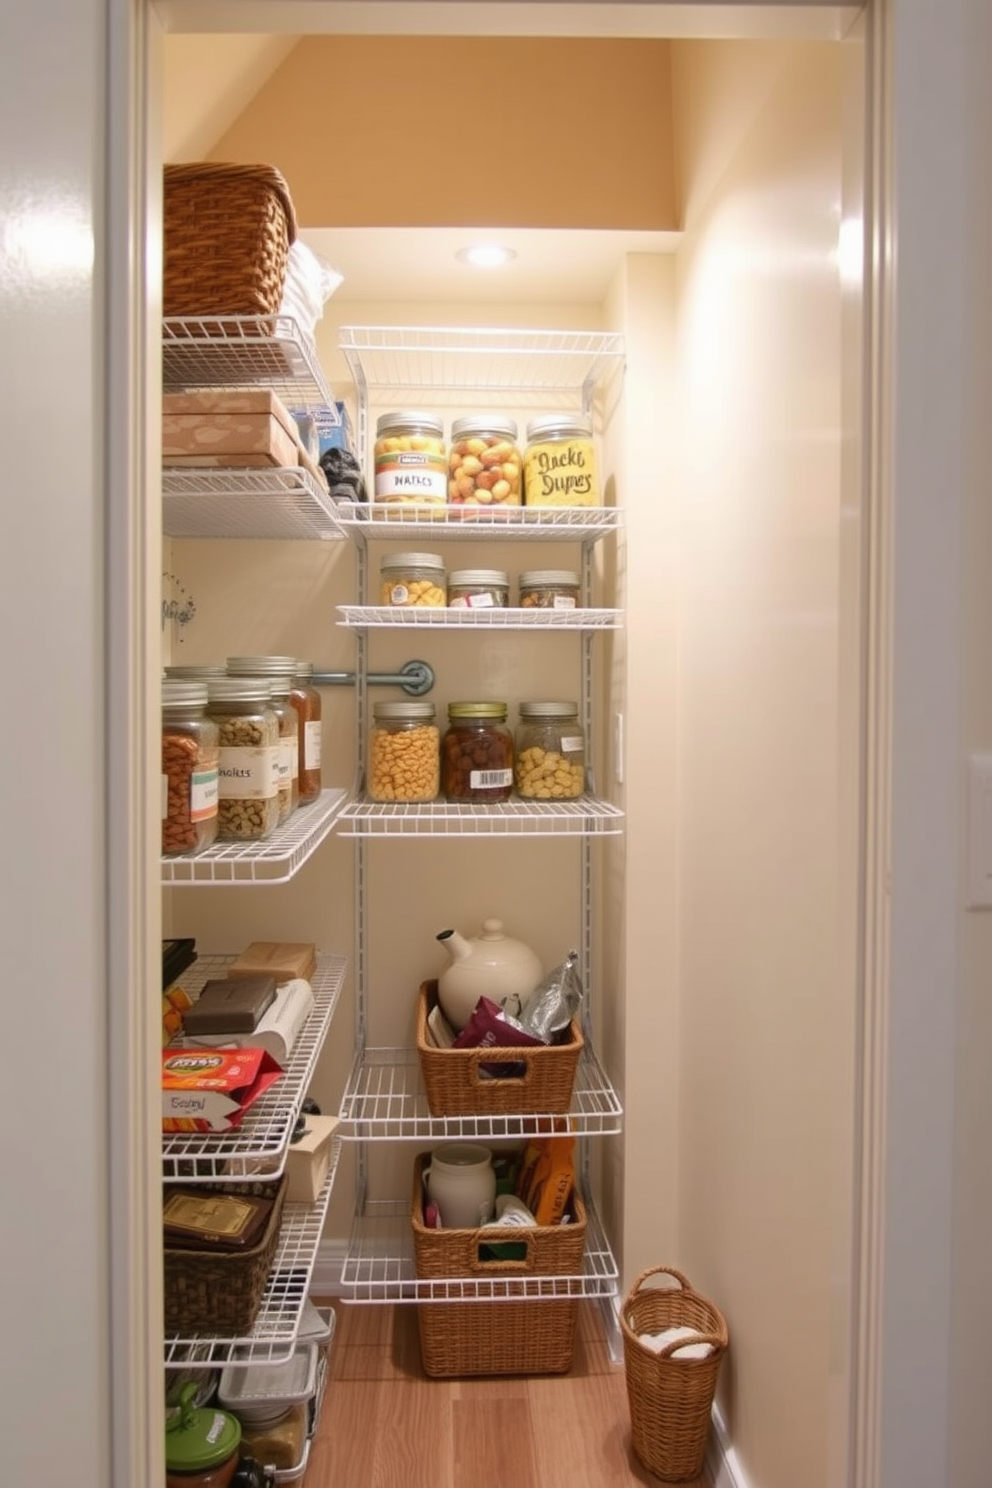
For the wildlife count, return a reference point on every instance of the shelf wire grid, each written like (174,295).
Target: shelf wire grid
(456,524)
(587,816)
(239,351)
(281,502)
(257,1148)
(272,1338)
(427,617)
(380,1266)
(385,1100)
(273,861)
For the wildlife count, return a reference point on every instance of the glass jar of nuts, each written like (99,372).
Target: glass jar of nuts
(189,769)
(411,468)
(413,579)
(248,804)
(484,463)
(549,589)
(404,760)
(550,763)
(280,673)
(477,753)
(478,589)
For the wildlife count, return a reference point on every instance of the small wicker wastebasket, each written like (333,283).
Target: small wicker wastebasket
(670,1398)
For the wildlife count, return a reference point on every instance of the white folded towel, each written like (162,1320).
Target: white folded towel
(657,1341)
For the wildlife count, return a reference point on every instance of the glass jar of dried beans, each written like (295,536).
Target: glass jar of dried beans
(477,753)
(189,769)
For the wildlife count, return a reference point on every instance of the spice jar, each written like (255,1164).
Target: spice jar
(307,701)
(202,1445)
(549,589)
(248,804)
(410,464)
(404,760)
(550,762)
(484,466)
(477,753)
(478,589)
(413,579)
(189,769)
(280,672)
(560,463)
(278,1442)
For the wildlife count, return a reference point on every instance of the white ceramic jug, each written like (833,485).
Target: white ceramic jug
(492,965)
(462,1183)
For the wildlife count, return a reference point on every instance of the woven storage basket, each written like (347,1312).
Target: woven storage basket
(533,1336)
(670,1398)
(455,1086)
(228,229)
(220,1291)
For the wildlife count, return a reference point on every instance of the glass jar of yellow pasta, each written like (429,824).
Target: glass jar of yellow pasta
(411,467)
(413,579)
(404,753)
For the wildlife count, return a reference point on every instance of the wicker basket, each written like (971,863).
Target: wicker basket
(670,1398)
(220,1292)
(228,229)
(532,1336)
(455,1086)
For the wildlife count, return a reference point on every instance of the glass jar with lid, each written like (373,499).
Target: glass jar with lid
(189,769)
(549,589)
(478,589)
(484,464)
(404,757)
(560,462)
(248,803)
(409,579)
(280,673)
(202,1445)
(477,753)
(306,699)
(411,467)
(550,762)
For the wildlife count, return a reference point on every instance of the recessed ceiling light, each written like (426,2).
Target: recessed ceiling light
(486,255)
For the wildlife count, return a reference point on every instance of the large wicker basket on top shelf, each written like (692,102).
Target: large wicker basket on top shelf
(228,230)
(458,1083)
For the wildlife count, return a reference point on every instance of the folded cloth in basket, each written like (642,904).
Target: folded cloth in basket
(657,1341)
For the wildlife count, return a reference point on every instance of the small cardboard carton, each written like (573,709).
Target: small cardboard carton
(209,1090)
(308,1160)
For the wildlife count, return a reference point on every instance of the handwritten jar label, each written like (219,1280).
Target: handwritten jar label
(560,466)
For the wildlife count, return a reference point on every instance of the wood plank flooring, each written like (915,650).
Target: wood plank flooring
(385,1424)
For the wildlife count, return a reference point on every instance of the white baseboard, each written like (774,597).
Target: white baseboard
(721,1459)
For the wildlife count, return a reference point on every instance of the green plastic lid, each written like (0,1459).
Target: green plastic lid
(199,1438)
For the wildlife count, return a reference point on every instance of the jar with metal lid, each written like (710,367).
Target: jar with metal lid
(404,757)
(248,803)
(478,589)
(278,1442)
(413,579)
(550,763)
(306,699)
(484,464)
(190,760)
(560,463)
(202,1445)
(280,673)
(549,589)
(196,673)
(477,753)
(411,468)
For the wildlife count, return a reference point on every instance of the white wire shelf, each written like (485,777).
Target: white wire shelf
(380,1267)
(586,817)
(273,861)
(272,1338)
(488,360)
(384,1100)
(258,1147)
(454,524)
(238,351)
(427,617)
(281,502)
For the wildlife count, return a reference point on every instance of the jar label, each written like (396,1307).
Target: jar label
(247,774)
(411,475)
(572,744)
(563,602)
(282,766)
(203,794)
(474,602)
(490,779)
(311,746)
(561,473)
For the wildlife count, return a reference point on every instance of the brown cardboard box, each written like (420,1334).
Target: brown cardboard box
(249,427)
(282,959)
(308,1160)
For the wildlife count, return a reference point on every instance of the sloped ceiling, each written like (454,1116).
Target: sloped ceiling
(208,83)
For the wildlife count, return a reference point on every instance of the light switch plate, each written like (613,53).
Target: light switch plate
(980,831)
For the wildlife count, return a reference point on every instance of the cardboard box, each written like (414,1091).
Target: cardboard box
(283,959)
(309,1159)
(210,1090)
(250,427)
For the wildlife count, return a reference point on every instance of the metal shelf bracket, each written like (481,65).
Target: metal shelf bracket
(415,678)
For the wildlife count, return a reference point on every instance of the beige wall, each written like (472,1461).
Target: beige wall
(759,376)
(448,131)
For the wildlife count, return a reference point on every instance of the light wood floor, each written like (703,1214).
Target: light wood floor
(385,1424)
